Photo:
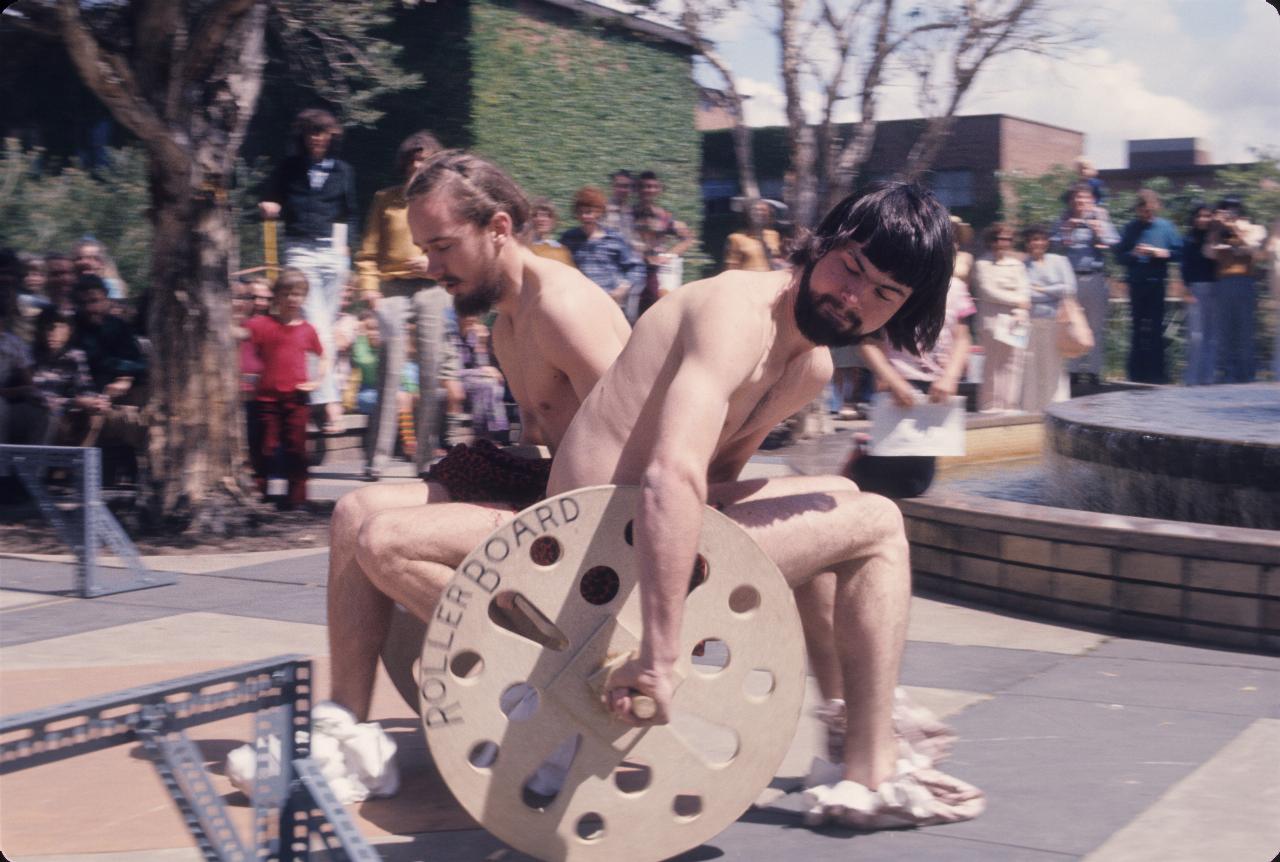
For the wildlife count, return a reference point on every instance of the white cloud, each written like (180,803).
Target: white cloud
(1159,68)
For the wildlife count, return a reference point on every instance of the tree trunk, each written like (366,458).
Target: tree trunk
(197,426)
(800,188)
(744,154)
(925,150)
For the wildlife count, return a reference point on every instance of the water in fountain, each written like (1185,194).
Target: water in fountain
(1206,454)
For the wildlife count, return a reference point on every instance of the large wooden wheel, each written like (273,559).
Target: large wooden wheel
(511,670)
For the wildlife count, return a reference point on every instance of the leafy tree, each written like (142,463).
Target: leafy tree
(44,208)
(185,79)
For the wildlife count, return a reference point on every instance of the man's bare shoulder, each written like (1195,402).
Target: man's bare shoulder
(567,304)
(735,302)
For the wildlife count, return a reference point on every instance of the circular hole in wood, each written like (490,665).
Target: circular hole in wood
(687,806)
(483,754)
(632,777)
(710,656)
(519,701)
(758,684)
(700,573)
(466,664)
(544,551)
(628,532)
(744,599)
(590,827)
(599,585)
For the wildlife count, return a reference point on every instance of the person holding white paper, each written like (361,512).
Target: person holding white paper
(933,376)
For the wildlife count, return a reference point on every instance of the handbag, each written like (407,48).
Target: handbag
(1075,338)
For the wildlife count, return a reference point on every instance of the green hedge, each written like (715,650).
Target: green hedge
(562,102)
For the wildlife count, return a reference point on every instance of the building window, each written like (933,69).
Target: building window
(953,188)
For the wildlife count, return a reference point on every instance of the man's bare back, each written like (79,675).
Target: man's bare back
(613,437)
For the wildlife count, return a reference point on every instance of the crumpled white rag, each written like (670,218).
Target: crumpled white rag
(357,759)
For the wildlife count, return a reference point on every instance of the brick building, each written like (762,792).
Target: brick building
(965,176)
(1183,161)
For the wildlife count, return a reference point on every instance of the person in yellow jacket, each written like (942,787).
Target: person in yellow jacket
(392,277)
(757,247)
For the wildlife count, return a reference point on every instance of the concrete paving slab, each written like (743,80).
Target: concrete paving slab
(178,638)
(1183,654)
(310,569)
(191,564)
(771,837)
(1198,820)
(10,599)
(201,564)
(940,622)
(1245,691)
(297,604)
(40,576)
(972,668)
(37,804)
(35,625)
(1063,775)
(207,593)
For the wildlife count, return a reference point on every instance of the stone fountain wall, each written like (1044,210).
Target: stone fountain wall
(1195,582)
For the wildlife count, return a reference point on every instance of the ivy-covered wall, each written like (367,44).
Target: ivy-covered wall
(561,102)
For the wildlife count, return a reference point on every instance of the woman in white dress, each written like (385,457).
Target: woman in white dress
(1044,378)
(1004,302)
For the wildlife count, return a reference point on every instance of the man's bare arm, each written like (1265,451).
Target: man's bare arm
(685,435)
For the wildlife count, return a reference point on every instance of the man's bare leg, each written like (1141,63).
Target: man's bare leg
(358,612)
(861,538)
(816,601)
(409,555)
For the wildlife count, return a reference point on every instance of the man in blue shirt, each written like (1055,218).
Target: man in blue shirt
(603,255)
(1147,247)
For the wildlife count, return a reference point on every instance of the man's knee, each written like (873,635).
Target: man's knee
(376,545)
(881,517)
(348,515)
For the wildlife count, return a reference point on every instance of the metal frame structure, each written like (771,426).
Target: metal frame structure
(292,801)
(94,525)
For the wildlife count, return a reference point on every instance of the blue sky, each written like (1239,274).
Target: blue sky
(1207,69)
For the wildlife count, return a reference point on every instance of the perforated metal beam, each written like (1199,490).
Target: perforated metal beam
(292,800)
(95,523)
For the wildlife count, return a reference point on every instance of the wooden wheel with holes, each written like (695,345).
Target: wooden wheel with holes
(511,670)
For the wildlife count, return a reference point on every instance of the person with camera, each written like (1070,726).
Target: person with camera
(1235,245)
(1146,248)
(1084,236)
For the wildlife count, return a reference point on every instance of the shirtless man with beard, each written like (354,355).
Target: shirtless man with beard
(556,333)
(706,374)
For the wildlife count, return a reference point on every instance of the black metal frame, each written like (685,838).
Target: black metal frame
(292,800)
(95,524)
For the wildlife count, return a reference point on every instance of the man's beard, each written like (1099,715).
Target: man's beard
(816,325)
(485,292)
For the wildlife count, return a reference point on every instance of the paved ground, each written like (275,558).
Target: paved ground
(1088,746)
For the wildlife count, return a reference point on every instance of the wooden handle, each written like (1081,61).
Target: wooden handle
(643,707)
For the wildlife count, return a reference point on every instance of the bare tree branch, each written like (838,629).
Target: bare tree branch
(691,20)
(209,36)
(108,76)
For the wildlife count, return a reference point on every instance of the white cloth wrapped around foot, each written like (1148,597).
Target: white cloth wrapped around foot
(357,759)
(913,797)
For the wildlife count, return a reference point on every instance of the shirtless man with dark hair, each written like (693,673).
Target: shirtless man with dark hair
(556,333)
(705,376)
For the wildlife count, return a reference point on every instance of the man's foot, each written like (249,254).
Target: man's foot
(357,759)
(371,473)
(912,798)
(924,738)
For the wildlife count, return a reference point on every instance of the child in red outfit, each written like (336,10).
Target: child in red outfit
(282,340)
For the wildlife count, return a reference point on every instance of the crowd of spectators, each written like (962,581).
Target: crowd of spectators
(374,335)
(73,368)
